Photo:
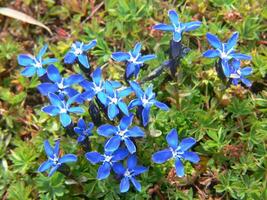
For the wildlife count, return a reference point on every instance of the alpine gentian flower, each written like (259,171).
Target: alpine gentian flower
(107,160)
(115,101)
(238,74)
(54,161)
(34,64)
(59,84)
(145,99)
(133,58)
(225,51)
(121,133)
(176,26)
(177,151)
(83,130)
(62,108)
(129,173)
(78,51)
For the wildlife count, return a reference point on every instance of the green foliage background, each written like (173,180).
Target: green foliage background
(228,122)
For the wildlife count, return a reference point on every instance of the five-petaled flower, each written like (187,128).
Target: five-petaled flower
(59,85)
(83,130)
(134,60)
(34,64)
(176,26)
(238,74)
(78,51)
(128,174)
(62,108)
(225,51)
(145,99)
(107,160)
(177,151)
(121,133)
(54,161)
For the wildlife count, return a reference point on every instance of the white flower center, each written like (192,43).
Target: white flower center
(128,173)
(238,72)
(38,64)
(54,159)
(114,100)
(107,158)
(61,85)
(63,110)
(78,51)
(145,101)
(176,153)
(224,55)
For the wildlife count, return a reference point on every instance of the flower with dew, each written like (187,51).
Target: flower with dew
(134,60)
(62,108)
(145,99)
(177,151)
(83,130)
(225,51)
(54,161)
(177,27)
(78,52)
(34,64)
(107,159)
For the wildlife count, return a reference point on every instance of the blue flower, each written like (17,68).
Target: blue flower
(238,74)
(121,133)
(62,108)
(129,173)
(133,58)
(145,99)
(78,51)
(225,51)
(107,160)
(177,151)
(54,161)
(59,84)
(176,26)
(34,64)
(83,130)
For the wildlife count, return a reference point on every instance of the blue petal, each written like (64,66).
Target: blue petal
(102,97)
(134,103)
(78,130)
(94,157)
(56,148)
(132,161)
(28,71)
(226,68)
(130,68)
(146,58)
(125,92)
(81,138)
(73,79)
(246,71)
(25,60)
(191,156)
(172,139)
(177,36)
(125,184)
(53,170)
(71,93)
(211,53)
(145,115)
(246,82)
(139,170)
(232,42)
(107,130)
(109,89)
(190,26)
(113,111)
(68,158)
(49,61)
(77,110)
(70,58)
(81,123)
(51,110)
(174,17)
(240,56)
(45,166)
(187,143)
(130,145)
(120,56)
(123,107)
(236,64)
(65,119)
(103,171)
(84,60)
(136,87)
(55,100)
(162,156)
(45,88)
(87,47)
(161,105)
(42,52)
(135,132)
(214,41)
(179,168)
(48,149)
(126,121)
(113,143)
(40,71)
(163,27)
(118,168)
(87,85)
(137,49)
(136,184)
(120,154)
(71,100)
(97,76)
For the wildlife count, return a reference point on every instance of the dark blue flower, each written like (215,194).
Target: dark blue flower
(107,160)
(34,64)
(133,58)
(239,74)
(176,26)
(59,85)
(78,51)
(128,174)
(177,151)
(225,51)
(145,99)
(62,108)
(83,130)
(121,133)
(54,161)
